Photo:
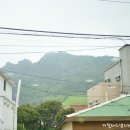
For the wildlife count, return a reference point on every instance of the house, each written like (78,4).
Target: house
(102,92)
(117,80)
(114,114)
(119,73)
(7,105)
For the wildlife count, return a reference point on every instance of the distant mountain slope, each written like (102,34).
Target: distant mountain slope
(54,73)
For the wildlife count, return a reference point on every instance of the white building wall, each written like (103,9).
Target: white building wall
(8,114)
(7,107)
(125,66)
(8,92)
(1,113)
(112,74)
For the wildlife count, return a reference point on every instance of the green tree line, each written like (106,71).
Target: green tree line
(44,116)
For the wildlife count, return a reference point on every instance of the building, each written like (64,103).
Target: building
(114,115)
(101,93)
(7,105)
(119,73)
(117,80)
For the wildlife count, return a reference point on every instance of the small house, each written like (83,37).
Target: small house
(114,115)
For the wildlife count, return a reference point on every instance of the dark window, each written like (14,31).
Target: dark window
(108,80)
(117,78)
(4,85)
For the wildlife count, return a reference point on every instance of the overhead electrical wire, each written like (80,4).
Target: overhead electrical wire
(45,91)
(53,32)
(37,52)
(57,93)
(51,46)
(48,78)
(117,1)
(68,81)
(64,94)
(60,34)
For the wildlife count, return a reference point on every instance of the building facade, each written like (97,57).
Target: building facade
(125,68)
(119,73)
(101,93)
(117,80)
(106,116)
(112,74)
(7,105)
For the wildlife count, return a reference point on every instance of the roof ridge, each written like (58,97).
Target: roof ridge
(97,106)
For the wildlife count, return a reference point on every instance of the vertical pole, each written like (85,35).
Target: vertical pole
(121,81)
(16,105)
(18,92)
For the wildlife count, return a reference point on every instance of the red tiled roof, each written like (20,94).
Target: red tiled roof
(78,107)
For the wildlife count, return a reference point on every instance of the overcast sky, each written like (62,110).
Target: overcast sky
(78,16)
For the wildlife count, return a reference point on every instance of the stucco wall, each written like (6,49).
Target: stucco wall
(8,92)
(7,106)
(125,63)
(113,72)
(1,113)
(67,126)
(6,114)
(101,93)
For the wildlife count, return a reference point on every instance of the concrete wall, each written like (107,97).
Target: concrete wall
(8,92)
(6,114)
(67,126)
(1,114)
(102,93)
(7,107)
(125,66)
(8,111)
(112,74)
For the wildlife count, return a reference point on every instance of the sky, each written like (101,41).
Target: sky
(75,16)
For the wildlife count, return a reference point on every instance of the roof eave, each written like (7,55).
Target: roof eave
(98,118)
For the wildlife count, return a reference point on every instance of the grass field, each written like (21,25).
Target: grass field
(75,100)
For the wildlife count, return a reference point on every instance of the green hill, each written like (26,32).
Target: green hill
(75,100)
(58,75)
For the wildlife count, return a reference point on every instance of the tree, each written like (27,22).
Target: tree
(48,110)
(60,115)
(28,117)
(45,116)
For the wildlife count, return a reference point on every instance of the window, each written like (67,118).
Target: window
(7,105)
(96,102)
(117,78)
(108,80)
(4,85)
(90,104)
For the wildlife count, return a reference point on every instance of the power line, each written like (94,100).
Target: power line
(45,91)
(98,48)
(48,78)
(61,34)
(117,1)
(53,32)
(21,45)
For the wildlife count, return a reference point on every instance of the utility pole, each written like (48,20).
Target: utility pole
(16,106)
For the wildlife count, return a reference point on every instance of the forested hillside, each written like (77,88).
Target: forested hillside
(58,75)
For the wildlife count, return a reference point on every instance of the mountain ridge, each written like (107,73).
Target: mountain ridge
(57,70)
